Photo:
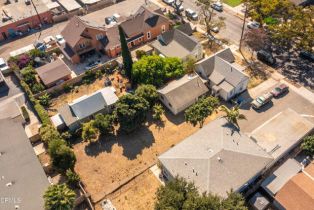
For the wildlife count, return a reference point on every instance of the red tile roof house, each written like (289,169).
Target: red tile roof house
(82,36)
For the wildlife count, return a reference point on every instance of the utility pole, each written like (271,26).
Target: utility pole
(39,18)
(243,27)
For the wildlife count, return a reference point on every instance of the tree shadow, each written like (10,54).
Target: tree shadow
(133,144)
(175,119)
(232,128)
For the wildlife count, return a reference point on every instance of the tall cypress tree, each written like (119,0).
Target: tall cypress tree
(126,55)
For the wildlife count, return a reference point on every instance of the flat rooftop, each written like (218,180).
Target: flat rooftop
(22,176)
(87,2)
(69,5)
(19,11)
(124,8)
(282,132)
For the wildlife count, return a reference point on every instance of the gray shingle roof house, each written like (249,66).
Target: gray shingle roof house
(22,178)
(182,93)
(225,78)
(74,113)
(176,43)
(216,158)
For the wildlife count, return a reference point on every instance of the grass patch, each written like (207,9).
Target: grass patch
(232,3)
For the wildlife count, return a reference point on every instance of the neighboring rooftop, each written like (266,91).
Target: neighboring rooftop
(259,202)
(298,192)
(184,91)
(89,2)
(69,5)
(175,43)
(18,10)
(53,72)
(86,106)
(216,158)
(281,176)
(282,132)
(22,176)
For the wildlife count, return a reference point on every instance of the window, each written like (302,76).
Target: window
(163,28)
(99,36)
(148,35)
(82,45)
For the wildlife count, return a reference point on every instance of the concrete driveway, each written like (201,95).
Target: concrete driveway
(291,100)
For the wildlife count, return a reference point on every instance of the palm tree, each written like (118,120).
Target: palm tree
(59,197)
(233,115)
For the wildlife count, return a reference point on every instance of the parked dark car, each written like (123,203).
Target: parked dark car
(307,55)
(266,57)
(279,90)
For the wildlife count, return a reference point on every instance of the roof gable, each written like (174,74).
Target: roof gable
(220,154)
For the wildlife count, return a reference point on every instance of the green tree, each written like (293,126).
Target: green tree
(126,55)
(89,132)
(104,122)
(44,100)
(156,70)
(131,112)
(148,92)
(256,39)
(197,113)
(308,145)
(189,65)
(232,115)
(72,178)
(48,133)
(173,67)
(158,111)
(234,201)
(62,156)
(59,197)
(179,194)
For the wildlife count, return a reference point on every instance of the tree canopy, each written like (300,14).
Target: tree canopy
(126,55)
(89,132)
(131,112)
(197,113)
(308,145)
(156,70)
(178,194)
(62,156)
(49,133)
(104,122)
(59,197)
(232,115)
(148,92)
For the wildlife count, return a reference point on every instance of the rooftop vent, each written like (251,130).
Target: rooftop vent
(9,184)
(16,206)
(219,159)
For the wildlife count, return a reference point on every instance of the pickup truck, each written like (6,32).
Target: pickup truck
(262,100)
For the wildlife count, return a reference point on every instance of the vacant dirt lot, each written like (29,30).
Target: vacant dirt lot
(105,165)
(137,195)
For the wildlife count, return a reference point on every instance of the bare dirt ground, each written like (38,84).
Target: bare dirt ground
(140,194)
(85,89)
(115,159)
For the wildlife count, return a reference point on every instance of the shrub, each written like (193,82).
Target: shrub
(28,74)
(308,145)
(89,77)
(89,132)
(67,88)
(66,135)
(49,133)
(158,111)
(72,178)
(42,113)
(25,114)
(44,100)
(37,87)
(36,53)
(140,53)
